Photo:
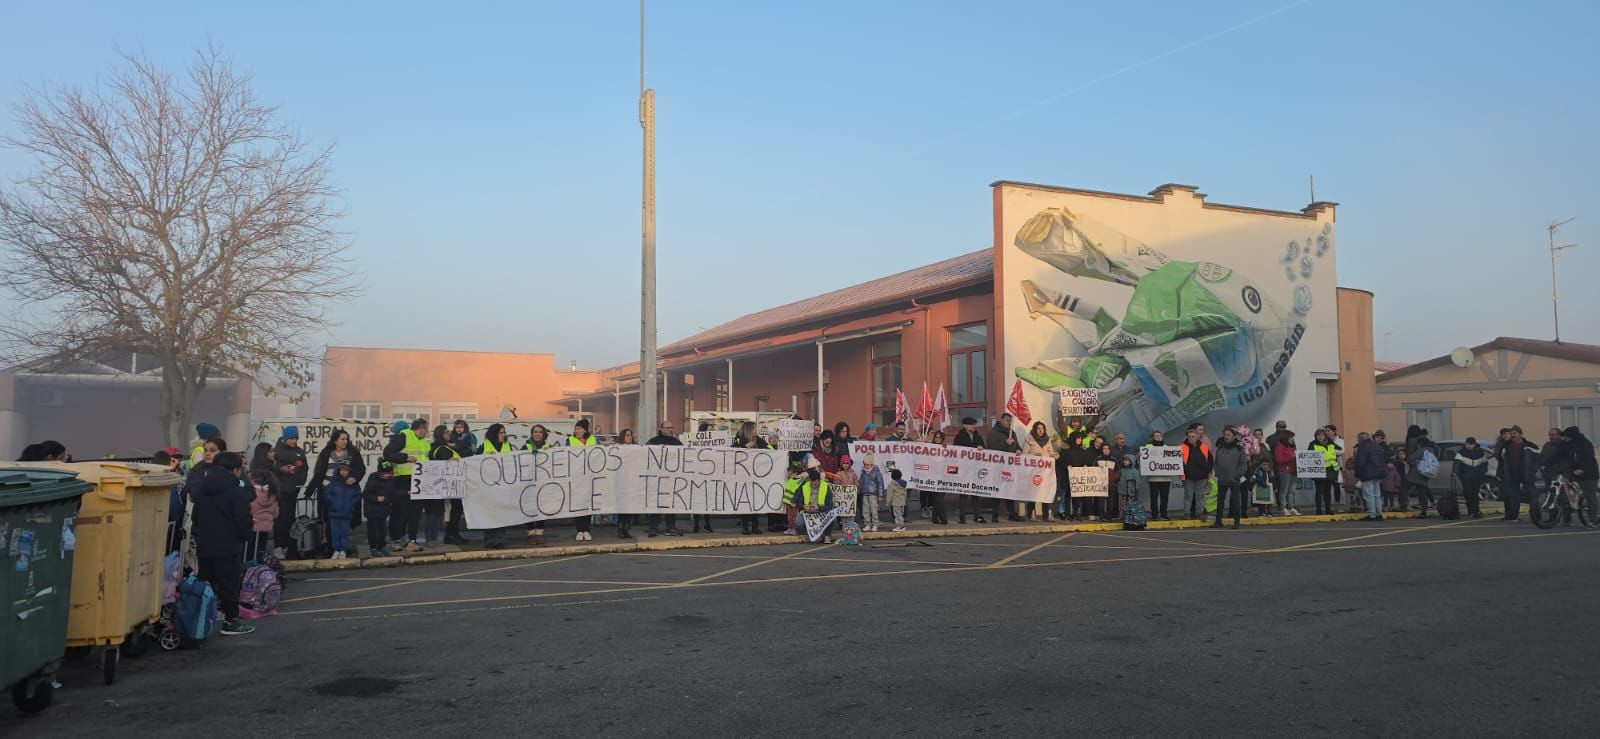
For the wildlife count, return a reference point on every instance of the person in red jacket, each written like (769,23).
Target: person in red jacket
(1284,455)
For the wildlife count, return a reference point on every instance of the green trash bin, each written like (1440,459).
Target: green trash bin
(38,516)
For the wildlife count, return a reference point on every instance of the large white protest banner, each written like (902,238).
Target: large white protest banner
(1310,464)
(1089,482)
(954,469)
(794,435)
(715,437)
(566,482)
(1160,461)
(1078,401)
(369,437)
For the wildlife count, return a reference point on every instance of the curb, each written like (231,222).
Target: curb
(673,543)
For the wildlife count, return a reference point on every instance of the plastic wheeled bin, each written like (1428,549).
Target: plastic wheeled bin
(122,545)
(38,510)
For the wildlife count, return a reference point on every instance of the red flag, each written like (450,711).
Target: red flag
(902,409)
(925,406)
(1018,405)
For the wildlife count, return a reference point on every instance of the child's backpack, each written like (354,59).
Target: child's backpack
(260,591)
(1133,515)
(306,533)
(851,533)
(1449,506)
(195,614)
(1428,465)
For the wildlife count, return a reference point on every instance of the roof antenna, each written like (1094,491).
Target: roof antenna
(1313,179)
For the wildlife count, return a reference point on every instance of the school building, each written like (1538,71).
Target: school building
(1532,383)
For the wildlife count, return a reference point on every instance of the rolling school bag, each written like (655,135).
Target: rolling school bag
(1133,515)
(306,531)
(195,614)
(260,590)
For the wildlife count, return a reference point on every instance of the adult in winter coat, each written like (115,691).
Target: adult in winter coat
(1039,443)
(1197,468)
(1371,466)
(1231,465)
(1581,465)
(221,528)
(340,450)
(1002,438)
(1518,461)
(1284,458)
(1472,465)
(1416,482)
(289,464)
(408,444)
(1322,443)
(1160,486)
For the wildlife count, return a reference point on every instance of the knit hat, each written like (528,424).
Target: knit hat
(871,426)
(385,465)
(867,459)
(206,431)
(844,460)
(399,427)
(291,432)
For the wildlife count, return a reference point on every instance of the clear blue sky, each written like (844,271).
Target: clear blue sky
(490,152)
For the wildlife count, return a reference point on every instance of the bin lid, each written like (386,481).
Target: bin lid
(22,486)
(119,474)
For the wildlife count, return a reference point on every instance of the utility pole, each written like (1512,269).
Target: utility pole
(648,403)
(1555,301)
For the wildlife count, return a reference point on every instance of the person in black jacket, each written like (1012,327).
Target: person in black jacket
(1581,465)
(1517,460)
(339,451)
(1002,439)
(289,466)
(969,436)
(222,526)
(747,438)
(375,499)
(665,437)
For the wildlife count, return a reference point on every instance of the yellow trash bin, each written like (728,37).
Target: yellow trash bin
(118,568)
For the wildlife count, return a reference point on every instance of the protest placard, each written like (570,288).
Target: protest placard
(817,523)
(714,437)
(794,435)
(845,498)
(445,478)
(1310,464)
(1160,461)
(1078,401)
(1089,482)
(1262,495)
(961,470)
(566,482)
(369,437)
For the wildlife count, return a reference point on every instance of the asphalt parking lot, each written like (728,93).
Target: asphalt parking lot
(1418,627)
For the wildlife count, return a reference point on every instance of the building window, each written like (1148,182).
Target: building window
(452,412)
(1435,420)
(885,378)
(720,390)
(969,370)
(688,410)
(410,411)
(1582,416)
(361,410)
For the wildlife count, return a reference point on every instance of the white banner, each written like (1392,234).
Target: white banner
(1089,482)
(1160,461)
(1310,464)
(1079,401)
(795,435)
(961,470)
(371,436)
(817,523)
(500,490)
(720,437)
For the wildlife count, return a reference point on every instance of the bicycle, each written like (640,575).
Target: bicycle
(1559,500)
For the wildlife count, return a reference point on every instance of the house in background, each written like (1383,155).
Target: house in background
(1509,381)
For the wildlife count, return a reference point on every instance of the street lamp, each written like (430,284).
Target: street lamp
(1555,301)
(647,289)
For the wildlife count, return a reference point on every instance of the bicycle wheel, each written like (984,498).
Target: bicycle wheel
(1546,507)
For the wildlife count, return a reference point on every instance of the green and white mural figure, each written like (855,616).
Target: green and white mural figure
(1196,340)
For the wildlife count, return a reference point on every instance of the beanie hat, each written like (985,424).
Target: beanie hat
(291,432)
(867,460)
(206,430)
(398,427)
(582,423)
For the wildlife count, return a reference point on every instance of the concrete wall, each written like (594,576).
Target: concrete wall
(1502,388)
(105,416)
(490,380)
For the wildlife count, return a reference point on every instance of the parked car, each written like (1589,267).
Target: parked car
(1446,480)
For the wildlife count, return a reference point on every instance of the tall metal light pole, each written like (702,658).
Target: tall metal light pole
(647,290)
(1555,301)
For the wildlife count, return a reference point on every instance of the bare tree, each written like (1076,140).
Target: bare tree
(175,217)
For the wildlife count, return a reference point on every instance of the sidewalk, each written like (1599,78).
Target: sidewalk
(559,542)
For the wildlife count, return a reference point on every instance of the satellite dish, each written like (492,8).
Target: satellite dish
(1462,357)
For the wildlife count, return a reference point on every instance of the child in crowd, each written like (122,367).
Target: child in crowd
(375,500)
(897,498)
(1393,479)
(847,476)
(1261,479)
(342,499)
(263,511)
(791,488)
(872,489)
(1127,478)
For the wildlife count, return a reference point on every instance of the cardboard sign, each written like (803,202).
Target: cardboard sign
(844,499)
(1089,482)
(817,523)
(1310,464)
(1078,401)
(795,435)
(1160,461)
(715,437)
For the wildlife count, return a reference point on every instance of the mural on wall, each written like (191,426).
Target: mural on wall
(1169,336)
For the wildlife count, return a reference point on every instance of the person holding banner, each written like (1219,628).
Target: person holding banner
(1039,443)
(580,436)
(625,437)
(1002,438)
(747,438)
(497,441)
(466,444)
(971,438)
(664,436)
(407,446)
(433,510)
(1197,467)
(1160,486)
(814,497)
(1322,442)
(1232,465)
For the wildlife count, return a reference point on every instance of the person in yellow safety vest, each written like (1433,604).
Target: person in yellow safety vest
(495,441)
(1321,442)
(814,497)
(408,444)
(581,437)
(433,510)
(791,486)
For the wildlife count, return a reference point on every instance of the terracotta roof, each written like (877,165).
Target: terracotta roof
(939,277)
(1589,353)
(1383,367)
